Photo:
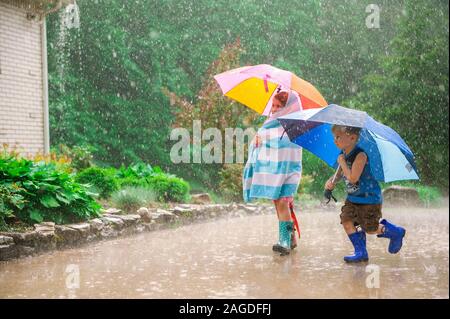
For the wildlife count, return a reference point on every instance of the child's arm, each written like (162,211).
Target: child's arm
(354,173)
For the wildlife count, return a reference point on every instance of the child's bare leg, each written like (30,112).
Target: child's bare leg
(283,210)
(349,227)
(379,231)
(276,208)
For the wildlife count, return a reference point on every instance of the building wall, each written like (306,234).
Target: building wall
(21,82)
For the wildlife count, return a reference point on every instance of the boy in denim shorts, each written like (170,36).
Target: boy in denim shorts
(363,203)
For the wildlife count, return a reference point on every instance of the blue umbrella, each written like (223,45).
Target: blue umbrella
(389,156)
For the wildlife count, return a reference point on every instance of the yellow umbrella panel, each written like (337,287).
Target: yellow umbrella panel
(252,93)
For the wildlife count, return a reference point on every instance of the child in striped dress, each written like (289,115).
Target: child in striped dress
(273,169)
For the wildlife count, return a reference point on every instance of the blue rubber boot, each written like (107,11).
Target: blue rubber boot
(395,234)
(285,229)
(358,240)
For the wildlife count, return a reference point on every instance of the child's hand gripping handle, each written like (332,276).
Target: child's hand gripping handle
(328,193)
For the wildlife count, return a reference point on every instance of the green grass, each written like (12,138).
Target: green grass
(132,198)
(430,196)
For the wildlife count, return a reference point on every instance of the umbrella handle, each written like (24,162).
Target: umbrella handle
(284,131)
(335,174)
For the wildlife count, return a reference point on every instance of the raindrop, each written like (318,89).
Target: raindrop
(154,34)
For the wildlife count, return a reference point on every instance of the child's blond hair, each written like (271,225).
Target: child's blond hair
(349,130)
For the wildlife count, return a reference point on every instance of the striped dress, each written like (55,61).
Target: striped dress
(273,170)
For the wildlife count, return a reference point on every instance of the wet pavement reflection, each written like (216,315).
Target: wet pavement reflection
(232,258)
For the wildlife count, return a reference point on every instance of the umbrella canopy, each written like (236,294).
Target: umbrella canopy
(255,86)
(389,156)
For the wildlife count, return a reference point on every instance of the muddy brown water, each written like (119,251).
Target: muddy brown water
(232,258)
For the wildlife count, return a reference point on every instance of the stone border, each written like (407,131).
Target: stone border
(47,236)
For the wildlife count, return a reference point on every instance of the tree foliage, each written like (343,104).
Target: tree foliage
(411,91)
(106,77)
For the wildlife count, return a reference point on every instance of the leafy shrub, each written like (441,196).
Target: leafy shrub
(131,198)
(306,184)
(10,200)
(230,183)
(317,172)
(206,175)
(81,155)
(169,187)
(429,195)
(62,162)
(7,152)
(138,170)
(99,179)
(131,181)
(49,193)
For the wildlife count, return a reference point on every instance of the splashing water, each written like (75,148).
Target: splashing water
(69,19)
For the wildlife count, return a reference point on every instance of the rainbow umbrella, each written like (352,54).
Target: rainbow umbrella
(255,86)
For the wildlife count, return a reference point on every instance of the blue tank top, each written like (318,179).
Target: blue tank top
(367,190)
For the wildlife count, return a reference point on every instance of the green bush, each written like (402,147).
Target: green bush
(306,184)
(230,184)
(48,193)
(429,195)
(131,198)
(10,200)
(206,175)
(135,174)
(99,179)
(80,155)
(317,172)
(132,181)
(137,170)
(169,187)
